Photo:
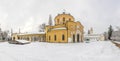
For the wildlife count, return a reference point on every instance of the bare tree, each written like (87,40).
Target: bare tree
(42,27)
(5,35)
(110,30)
(118,28)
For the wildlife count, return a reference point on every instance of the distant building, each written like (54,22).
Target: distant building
(106,35)
(97,37)
(116,35)
(91,36)
(40,36)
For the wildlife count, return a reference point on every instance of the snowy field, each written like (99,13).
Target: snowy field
(38,51)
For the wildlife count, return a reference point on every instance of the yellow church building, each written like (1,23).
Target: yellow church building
(65,30)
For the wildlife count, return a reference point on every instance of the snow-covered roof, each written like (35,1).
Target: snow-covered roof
(62,28)
(23,41)
(93,35)
(32,33)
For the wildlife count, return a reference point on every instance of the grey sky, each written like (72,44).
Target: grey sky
(28,14)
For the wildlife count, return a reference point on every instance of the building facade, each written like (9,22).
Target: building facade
(116,35)
(92,37)
(29,36)
(65,30)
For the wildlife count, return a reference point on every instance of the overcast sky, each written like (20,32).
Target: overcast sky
(28,14)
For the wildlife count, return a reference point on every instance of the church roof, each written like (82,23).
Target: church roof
(64,14)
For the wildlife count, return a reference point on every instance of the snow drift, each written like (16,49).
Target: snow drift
(93,51)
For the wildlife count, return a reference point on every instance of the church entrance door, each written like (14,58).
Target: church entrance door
(78,38)
(73,38)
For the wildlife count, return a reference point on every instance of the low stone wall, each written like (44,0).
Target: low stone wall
(117,44)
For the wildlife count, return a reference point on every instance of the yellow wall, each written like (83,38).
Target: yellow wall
(59,18)
(72,28)
(58,34)
(29,37)
(14,36)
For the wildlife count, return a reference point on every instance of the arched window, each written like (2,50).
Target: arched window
(49,37)
(73,37)
(18,37)
(78,37)
(63,20)
(69,19)
(35,39)
(63,37)
(13,38)
(55,37)
(58,21)
(28,38)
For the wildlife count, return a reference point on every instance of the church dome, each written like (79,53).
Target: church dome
(63,18)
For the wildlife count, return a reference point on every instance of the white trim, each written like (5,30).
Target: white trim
(70,40)
(62,28)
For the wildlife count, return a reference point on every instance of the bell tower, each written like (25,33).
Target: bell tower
(91,30)
(50,20)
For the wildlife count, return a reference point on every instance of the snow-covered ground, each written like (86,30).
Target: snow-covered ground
(38,51)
